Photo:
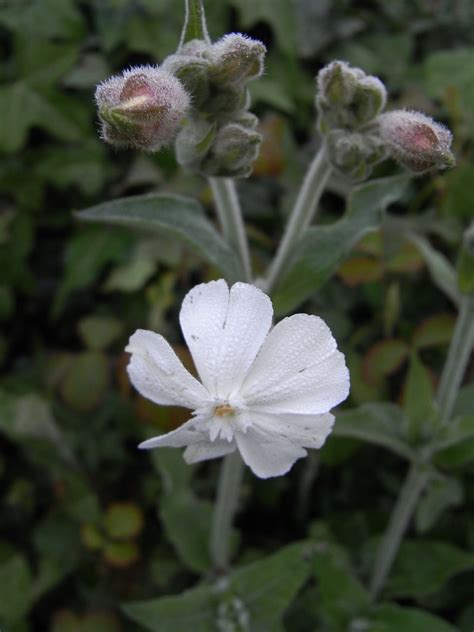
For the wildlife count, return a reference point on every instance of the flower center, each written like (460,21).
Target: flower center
(224,410)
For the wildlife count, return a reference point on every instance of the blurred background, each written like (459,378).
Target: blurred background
(87,521)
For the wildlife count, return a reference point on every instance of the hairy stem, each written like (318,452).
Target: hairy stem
(225,508)
(195,26)
(230,219)
(301,216)
(458,357)
(456,362)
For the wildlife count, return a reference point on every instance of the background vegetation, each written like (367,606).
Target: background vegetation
(89,523)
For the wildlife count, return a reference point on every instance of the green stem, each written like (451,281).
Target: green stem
(301,216)
(405,506)
(458,357)
(456,362)
(230,219)
(195,26)
(232,469)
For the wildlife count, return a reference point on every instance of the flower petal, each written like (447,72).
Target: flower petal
(224,331)
(298,369)
(309,431)
(157,373)
(189,433)
(207,450)
(266,454)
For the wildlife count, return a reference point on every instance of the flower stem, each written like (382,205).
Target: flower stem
(225,508)
(230,219)
(405,506)
(456,362)
(458,357)
(195,26)
(302,214)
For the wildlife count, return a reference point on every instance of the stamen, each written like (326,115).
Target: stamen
(224,410)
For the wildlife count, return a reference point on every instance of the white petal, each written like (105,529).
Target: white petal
(298,369)
(224,331)
(207,450)
(189,433)
(265,454)
(309,431)
(157,373)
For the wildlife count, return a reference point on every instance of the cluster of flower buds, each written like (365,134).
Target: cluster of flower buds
(141,108)
(219,137)
(358,135)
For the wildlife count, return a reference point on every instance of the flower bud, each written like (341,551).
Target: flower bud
(347,97)
(354,154)
(193,72)
(416,141)
(194,142)
(141,108)
(233,152)
(237,58)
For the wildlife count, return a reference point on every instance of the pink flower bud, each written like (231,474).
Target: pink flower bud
(142,108)
(416,141)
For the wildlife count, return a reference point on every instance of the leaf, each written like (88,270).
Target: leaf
(418,399)
(258,593)
(279,14)
(123,520)
(86,255)
(98,332)
(441,271)
(423,567)
(434,331)
(384,358)
(86,381)
(16,581)
(459,430)
(323,248)
(360,269)
(378,423)
(121,553)
(176,216)
(441,494)
(342,595)
(391,618)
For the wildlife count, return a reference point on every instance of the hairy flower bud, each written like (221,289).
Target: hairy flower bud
(237,58)
(141,108)
(416,141)
(354,154)
(347,97)
(233,152)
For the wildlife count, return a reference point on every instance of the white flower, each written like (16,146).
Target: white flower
(266,392)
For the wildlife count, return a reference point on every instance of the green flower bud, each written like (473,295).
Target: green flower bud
(233,152)
(416,141)
(354,154)
(142,108)
(347,97)
(193,72)
(237,58)
(194,143)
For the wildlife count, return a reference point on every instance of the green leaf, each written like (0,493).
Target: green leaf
(86,381)
(434,331)
(279,14)
(123,520)
(16,582)
(384,358)
(459,430)
(391,618)
(442,493)
(319,253)
(379,423)
(258,593)
(342,595)
(418,400)
(98,332)
(423,567)
(441,271)
(176,216)
(86,255)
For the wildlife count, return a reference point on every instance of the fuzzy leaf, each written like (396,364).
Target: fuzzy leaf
(176,216)
(323,248)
